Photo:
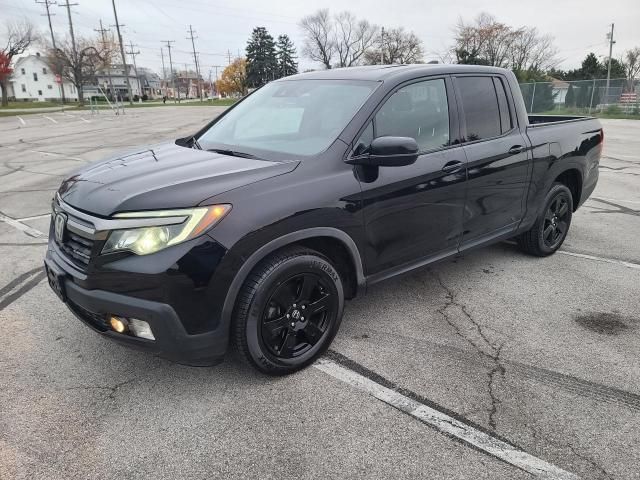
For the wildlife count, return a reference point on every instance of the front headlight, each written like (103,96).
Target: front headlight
(189,223)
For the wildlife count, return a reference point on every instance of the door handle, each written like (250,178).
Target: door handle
(516,149)
(453,166)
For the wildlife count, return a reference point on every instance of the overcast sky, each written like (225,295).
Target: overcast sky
(579,26)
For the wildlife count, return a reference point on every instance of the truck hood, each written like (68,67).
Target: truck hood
(162,177)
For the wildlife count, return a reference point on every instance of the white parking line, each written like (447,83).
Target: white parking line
(602,259)
(32,232)
(85,120)
(35,217)
(21,120)
(51,119)
(446,424)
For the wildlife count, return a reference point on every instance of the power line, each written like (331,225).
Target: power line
(124,59)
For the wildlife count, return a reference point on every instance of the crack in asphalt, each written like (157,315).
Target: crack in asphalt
(538,436)
(490,351)
(114,389)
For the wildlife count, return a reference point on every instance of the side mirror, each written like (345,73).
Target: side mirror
(388,152)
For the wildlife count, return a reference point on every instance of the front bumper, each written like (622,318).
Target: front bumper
(172,341)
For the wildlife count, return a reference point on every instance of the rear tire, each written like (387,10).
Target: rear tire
(288,311)
(547,235)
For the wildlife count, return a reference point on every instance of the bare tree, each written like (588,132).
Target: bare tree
(79,66)
(319,37)
(487,41)
(353,38)
(19,35)
(399,46)
(337,41)
(631,64)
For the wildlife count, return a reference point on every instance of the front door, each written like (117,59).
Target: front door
(413,213)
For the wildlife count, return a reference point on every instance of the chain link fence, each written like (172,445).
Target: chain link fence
(583,97)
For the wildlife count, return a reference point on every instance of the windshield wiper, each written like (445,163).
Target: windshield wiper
(233,153)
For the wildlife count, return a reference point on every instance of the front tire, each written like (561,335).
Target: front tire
(550,230)
(288,311)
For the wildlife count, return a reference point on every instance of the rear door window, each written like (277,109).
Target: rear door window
(480,106)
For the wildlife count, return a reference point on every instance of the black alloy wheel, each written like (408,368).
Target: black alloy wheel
(550,229)
(297,315)
(288,310)
(556,220)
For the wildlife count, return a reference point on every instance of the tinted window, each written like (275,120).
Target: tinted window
(505,115)
(363,143)
(420,111)
(480,105)
(299,117)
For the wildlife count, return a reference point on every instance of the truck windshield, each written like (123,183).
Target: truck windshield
(297,117)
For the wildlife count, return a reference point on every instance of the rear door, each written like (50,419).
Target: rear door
(497,158)
(414,213)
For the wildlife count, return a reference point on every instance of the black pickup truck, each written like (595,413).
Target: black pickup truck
(254,230)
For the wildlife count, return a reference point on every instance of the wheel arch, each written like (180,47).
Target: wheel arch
(310,237)
(572,179)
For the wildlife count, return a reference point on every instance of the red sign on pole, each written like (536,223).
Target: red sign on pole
(58,79)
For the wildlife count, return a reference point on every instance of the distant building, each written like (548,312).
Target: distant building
(33,80)
(559,89)
(151,83)
(112,82)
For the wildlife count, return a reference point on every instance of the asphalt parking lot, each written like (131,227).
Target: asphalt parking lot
(539,354)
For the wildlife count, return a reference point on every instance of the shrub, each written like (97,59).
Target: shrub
(145,97)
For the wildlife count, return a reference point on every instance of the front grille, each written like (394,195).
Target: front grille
(77,248)
(96,320)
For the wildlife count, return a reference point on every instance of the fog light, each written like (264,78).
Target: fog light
(141,329)
(118,324)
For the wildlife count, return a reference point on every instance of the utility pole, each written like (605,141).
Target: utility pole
(73,41)
(124,59)
(173,81)
(611,42)
(164,72)
(102,31)
(135,67)
(216,82)
(195,59)
(46,4)
(229,57)
(382,47)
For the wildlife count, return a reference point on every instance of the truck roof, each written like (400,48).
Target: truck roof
(385,72)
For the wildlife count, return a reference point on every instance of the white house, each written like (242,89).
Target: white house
(33,80)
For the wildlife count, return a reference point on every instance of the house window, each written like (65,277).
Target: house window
(35,77)
(49,87)
(23,88)
(22,71)
(39,93)
(44,71)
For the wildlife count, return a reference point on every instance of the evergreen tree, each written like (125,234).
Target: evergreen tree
(262,64)
(591,67)
(570,98)
(286,55)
